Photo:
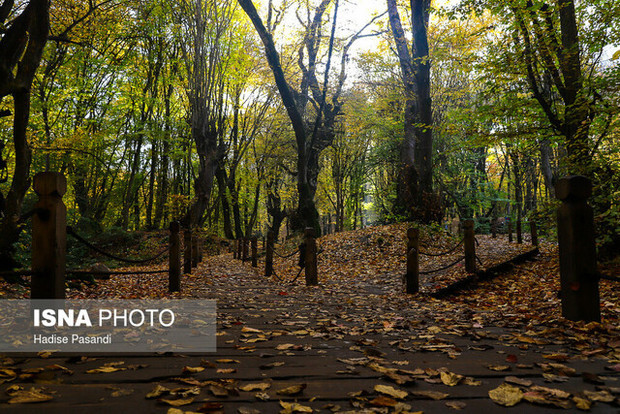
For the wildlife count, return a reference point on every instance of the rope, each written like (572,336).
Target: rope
(479,261)
(273,273)
(285,256)
(16,273)
(111,256)
(443,253)
(298,274)
(442,268)
(111,272)
(608,277)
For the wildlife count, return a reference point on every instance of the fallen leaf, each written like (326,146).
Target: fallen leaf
(383,401)
(519,381)
(192,370)
(506,395)
(292,390)
(177,403)
(450,378)
(600,396)
(391,391)
(158,391)
(289,408)
(226,370)
(105,369)
(262,386)
(33,395)
(498,367)
(248,410)
(433,395)
(457,405)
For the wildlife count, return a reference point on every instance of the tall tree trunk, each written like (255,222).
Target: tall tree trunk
(220,175)
(415,182)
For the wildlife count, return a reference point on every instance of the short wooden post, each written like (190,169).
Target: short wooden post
(534,232)
(413,265)
(239,248)
(174,258)
(195,255)
(187,258)
(269,253)
(578,272)
(311,260)
(245,249)
(519,234)
(254,242)
(470,247)
(509,230)
(49,237)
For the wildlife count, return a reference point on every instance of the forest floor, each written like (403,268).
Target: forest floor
(356,343)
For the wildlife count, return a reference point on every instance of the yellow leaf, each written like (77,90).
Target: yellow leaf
(292,390)
(450,378)
(262,386)
(177,403)
(192,370)
(290,408)
(506,395)
(32,396)
(391,391)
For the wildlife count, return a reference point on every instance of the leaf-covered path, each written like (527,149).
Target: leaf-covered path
(355,343)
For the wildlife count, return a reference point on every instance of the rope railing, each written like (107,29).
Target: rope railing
(608,277)
(285,256)
(112,256)
(447,252)
(428,272)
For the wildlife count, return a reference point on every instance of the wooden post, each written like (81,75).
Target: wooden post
(509,230)
(187,259)
(413,265)
(470,247)
(254,251)
(578,273)
(534,232)
(195,255)
(174,259)
(519,234)
(49,237)
(311,260)
(245,249)
(269,253)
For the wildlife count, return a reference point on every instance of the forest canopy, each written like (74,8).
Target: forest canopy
(243,116)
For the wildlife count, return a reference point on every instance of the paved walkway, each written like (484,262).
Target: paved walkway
(349,345)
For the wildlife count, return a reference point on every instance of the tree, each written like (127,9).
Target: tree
(415,182)
(21,48)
